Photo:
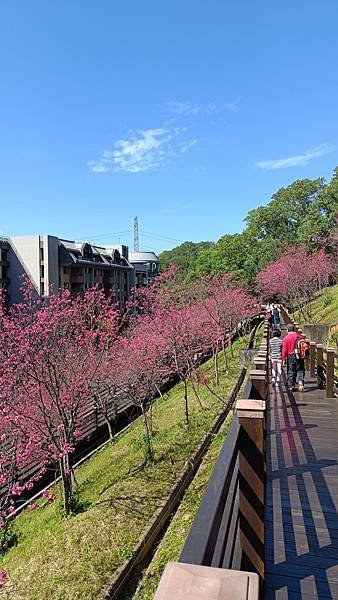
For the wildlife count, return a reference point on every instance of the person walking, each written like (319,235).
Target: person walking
(276,317)
(302,351)
(276,356)
(289,355)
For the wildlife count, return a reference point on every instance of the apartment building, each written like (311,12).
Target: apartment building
(4,276)
(146,266)
(52,263)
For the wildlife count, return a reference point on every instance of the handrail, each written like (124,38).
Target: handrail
(202,544)
(227,535)
(322,362)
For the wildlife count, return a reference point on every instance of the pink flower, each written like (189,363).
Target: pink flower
(17,489)
(3,577)
(33,506)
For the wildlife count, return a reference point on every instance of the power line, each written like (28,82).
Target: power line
(105,235)
(159,236)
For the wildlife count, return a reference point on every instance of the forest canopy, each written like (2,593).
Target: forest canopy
(305,212)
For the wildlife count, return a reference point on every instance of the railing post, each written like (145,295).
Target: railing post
(307,360)
(251,416)
(330,355)
(312,359)
(181,580)
(320,369)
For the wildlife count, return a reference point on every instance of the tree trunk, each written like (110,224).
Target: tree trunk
(186,408)
(216,367)
(198,398)
(224,354)
(147,429)
(110,426)
(66,478)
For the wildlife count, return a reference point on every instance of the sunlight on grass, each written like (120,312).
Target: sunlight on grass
(324,309)
(174,539)
(70,558)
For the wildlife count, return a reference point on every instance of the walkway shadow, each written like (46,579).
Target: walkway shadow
(301,554)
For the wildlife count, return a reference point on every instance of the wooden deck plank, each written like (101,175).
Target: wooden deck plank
(301,508)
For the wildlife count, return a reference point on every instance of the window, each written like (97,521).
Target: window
(66,270)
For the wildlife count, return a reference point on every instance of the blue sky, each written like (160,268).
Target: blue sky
(186,113)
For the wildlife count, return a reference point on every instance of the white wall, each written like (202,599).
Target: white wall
(24,259)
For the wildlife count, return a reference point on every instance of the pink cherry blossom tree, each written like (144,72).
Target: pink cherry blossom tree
(54,349)
(296,277)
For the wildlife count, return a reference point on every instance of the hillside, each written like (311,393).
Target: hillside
(324,309)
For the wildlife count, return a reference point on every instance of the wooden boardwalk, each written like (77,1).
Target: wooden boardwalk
(301,510)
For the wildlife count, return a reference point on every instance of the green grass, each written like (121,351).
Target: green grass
(174,539)
(71,558)
(324,309)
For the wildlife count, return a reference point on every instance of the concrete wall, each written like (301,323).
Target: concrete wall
(51,264)
(318,333)
(24,259)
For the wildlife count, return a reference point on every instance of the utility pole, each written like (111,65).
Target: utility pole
(136,237)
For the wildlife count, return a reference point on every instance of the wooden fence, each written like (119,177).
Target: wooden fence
(322,362)
(226,542)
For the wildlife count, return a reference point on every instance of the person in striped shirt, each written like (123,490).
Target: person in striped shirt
(276,356)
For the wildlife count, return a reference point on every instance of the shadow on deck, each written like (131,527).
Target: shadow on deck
(301,518)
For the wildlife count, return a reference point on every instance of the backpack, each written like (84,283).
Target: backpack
(302,348)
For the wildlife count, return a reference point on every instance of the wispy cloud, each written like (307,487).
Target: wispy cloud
(299,160)
(142,150)
(232,106)
(185,146)
(189,108)
(185,109)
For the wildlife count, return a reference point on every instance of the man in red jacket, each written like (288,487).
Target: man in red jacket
(289,356)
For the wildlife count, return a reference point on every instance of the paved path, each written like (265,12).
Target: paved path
(301,511)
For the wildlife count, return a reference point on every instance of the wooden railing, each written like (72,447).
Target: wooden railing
(322,362)
(226,539)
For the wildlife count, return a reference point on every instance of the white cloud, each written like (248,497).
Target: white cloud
(98,167)
(185,146)
(298,160)
(232,106)
(142,150)
(189,108)
(183,109)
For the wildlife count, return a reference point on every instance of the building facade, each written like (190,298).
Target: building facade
(52,263)
(146,266)
(4,264)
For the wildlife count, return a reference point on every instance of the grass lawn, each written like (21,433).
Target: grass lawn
(173,541)
(70,558)
(324,309)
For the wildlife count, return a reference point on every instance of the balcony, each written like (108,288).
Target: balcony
(76,279)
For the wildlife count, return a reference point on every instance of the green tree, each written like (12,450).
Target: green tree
(183,256)
(285,214)
(321,217)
